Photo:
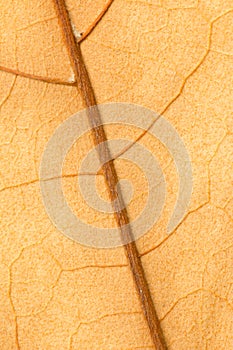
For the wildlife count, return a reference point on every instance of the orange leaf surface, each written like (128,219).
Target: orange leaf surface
(176,58)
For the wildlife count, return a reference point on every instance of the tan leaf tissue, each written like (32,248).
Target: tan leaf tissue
(174,57)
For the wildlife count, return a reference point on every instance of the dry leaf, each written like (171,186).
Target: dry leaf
(175,57)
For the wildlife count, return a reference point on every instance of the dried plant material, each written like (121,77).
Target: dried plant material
(174,57)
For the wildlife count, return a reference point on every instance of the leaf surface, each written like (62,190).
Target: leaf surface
(174,57)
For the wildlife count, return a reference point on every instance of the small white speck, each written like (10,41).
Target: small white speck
(77,34)
(71,78)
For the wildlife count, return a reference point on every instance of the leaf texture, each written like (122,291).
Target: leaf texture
(174,57)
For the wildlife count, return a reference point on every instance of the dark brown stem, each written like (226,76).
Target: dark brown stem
(86,90)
